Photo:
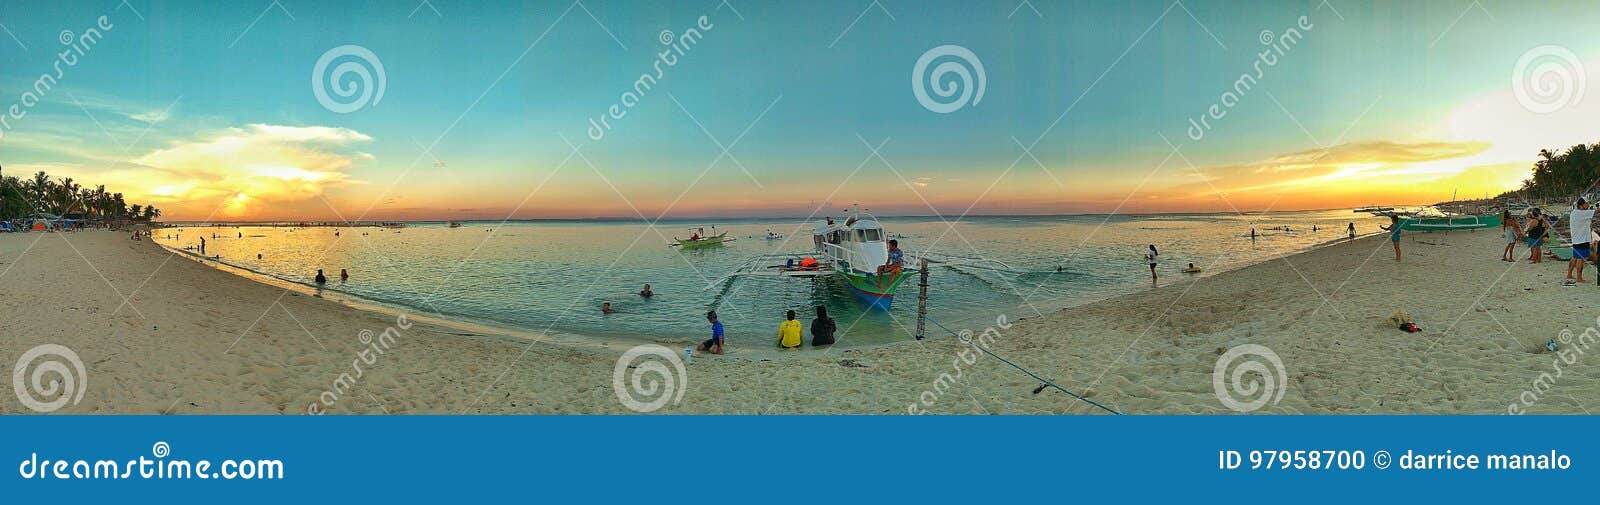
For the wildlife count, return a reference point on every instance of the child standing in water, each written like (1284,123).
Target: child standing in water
(1152,257)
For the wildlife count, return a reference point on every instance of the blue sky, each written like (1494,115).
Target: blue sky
(1403,102)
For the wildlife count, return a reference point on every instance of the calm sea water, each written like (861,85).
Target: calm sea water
(553,276)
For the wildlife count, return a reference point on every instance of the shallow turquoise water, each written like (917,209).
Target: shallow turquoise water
(553,276)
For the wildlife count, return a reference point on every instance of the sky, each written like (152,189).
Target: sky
(447,109)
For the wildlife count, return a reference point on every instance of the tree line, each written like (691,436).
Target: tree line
(1561,175)
(21,198)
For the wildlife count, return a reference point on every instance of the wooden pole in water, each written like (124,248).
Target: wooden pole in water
(922,297)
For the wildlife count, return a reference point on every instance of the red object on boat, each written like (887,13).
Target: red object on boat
(808,264)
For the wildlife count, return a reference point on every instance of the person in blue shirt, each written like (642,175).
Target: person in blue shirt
(714,344)
(893,266)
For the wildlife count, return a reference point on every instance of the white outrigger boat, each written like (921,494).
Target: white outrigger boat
(851,251)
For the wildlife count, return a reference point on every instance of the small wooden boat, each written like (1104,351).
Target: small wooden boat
(1450,222)
(701,243)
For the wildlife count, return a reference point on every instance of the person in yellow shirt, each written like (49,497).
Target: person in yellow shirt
(789,333)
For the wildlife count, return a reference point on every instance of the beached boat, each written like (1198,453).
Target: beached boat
(1450,222)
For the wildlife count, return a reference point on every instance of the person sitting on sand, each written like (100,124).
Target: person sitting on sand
(789,332)
(1578,222)
(1513,232)
(714,344)
(647,292)
(605,308)
(321,279)
(822,328)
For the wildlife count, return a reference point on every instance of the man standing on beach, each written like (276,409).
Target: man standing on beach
(1581,235)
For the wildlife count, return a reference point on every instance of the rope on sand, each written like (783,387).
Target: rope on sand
(1047,382)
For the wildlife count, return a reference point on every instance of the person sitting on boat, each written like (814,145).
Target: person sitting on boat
(893,266)
(694,236)
(789,332)
(822,328)
(714,344)
(647,293)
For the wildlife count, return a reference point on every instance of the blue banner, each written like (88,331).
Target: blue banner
(796,459)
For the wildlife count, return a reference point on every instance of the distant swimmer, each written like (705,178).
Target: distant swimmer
(1252,233)
(344,275)
(647,292)
(321,279)
(605,308)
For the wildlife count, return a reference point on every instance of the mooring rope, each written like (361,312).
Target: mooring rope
(1030,374)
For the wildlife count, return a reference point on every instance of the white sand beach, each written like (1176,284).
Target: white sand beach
(196,340)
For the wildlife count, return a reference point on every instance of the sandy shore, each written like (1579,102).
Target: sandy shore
(193,339)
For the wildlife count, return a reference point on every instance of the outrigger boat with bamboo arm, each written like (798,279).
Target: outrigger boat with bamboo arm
(851,251)
(699,240)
